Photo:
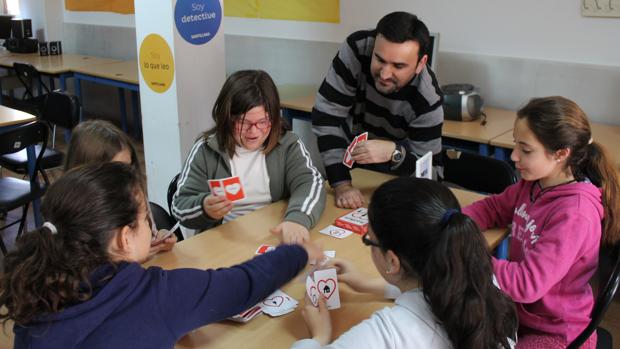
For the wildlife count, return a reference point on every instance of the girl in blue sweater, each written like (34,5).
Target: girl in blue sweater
(76,282)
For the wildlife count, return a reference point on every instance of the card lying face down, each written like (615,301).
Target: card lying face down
(230,187)
(324,284)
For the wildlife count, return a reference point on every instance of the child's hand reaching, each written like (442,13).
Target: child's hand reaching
(348,273)
(318,321)
(291,232)
(315,252)
(163,245)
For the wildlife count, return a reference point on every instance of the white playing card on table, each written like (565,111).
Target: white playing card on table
(424,166)
(337,232)
(326,256)
(327,284)
(278,303)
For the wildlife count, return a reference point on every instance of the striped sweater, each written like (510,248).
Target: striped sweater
(348,104)
(291,173)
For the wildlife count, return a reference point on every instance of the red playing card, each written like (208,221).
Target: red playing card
(264,249)
(347,160)
(216,187)
(233,188)
(362,137)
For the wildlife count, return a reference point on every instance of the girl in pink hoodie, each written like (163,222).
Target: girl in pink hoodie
(564,207)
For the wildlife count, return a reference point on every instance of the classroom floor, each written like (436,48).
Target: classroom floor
(611,322)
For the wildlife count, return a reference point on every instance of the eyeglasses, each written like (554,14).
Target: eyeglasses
(261,124)
(366,241)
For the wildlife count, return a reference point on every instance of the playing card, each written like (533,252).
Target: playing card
(264,249)
(326,256)
(329,254)
(230,187)
(163,234)
(424,166)
(278,303)
(327,284)
(362,137)
(233,188)
(216,187)
(336,232)
(312,291)
(248,314)
(348,160)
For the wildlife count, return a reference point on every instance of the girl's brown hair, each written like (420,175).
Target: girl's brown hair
(49,271)
(560,123)
(421,222)
(97,141)
(241,92)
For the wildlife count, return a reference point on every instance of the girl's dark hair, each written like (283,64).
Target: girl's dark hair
(242,91)
(559,123)
(420,221)
(48,272)
(400,26)
(97,141)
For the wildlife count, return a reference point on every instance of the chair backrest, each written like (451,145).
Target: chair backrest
(172,188)
(605,296)
(62,109)
(163,220)
(161,217)
(28,75)
(476,172)
(22,136)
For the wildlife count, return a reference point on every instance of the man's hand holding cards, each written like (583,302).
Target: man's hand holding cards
(348,155)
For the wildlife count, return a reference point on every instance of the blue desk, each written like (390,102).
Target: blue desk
(122,75)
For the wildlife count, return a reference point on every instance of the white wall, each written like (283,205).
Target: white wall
(512,50)
(548,30)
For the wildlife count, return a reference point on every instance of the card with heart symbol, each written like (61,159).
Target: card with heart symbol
(326,282)
(336,232)
(278,303)
(231,187)
(347,160)
(313,293)
(262,249)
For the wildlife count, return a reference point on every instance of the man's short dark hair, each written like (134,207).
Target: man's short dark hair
(401,26)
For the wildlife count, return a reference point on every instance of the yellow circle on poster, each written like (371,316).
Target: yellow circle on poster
(156,63)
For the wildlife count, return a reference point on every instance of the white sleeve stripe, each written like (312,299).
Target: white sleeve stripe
(317,181)
(184,214)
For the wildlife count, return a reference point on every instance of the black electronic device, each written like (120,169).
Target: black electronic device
(461,102)
(55,48)
(26,45)
(5,26)
(43,49)
(21,27)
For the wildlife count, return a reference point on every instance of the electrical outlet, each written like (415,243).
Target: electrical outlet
(600,8)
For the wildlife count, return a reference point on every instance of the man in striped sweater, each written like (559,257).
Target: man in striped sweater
(379,83)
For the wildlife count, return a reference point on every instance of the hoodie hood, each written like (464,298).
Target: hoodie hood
(582,193)
(113,288)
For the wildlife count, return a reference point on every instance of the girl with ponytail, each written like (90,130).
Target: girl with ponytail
(564,208)
(77,283)
(435,261)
